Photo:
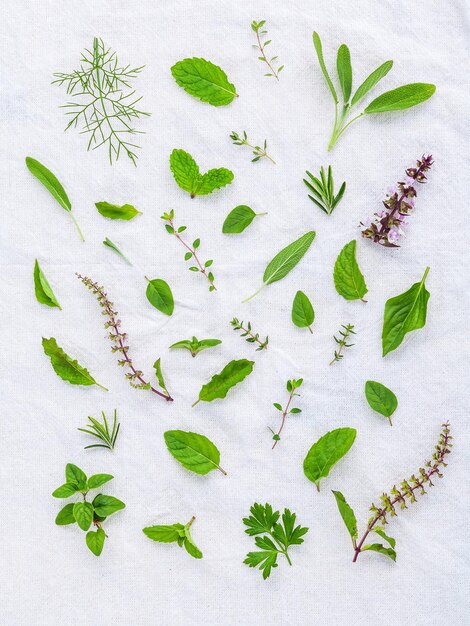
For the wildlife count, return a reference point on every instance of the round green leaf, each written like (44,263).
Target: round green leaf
(159,295)
(195,452)
(238,219)
(107,505)
(302,311)
(381,398)
(83,514)
(95,541)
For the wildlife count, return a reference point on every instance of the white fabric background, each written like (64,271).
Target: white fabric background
(48,576)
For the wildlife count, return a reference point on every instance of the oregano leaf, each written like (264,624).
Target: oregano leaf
(349,281)
(326,452)
(83,514)
(95,541)
(107,505)
(42,289)
(65,516)
(204,80)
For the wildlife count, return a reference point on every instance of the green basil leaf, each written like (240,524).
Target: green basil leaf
(107,505)
(238,219)
(326,452)
(188,176)
(346,513)
(381,399)
(403,314)
(65,491)
(378,547)
(97,480)
(319,51)
(195,452)
(388,539)
(232,374)
(109,244)
(95,541)
(65,516)
(302,311)
(42,289)
(204,80)
(159,295)
(371,81)
(116,212)
(164,534)
(349,281)
(75,475)
(401,98)
(83,514)
(65,367)
(343,65)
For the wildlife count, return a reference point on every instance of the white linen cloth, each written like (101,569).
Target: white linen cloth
(48,576)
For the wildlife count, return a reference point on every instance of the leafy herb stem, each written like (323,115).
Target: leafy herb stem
(283,419)
(252,338)
(77,226)
(257,150)
(348,330)
(261,47)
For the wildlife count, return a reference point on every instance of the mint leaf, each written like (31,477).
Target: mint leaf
(75,475)
(204,80)
(187,175)
(164,534)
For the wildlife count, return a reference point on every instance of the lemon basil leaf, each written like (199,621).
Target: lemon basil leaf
(381,399)
(65,516)
(302,311)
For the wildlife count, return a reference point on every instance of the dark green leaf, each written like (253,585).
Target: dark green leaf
(107,505)
(195,452)
(232,374)
(83,514)
(346,513)
(343,65)
(378,547)
(238,219)
(159,295)
(326,452)
(381,398)
(302,311)
(116,212)
(204,80)
(401,98)
(43,290)
(349,281)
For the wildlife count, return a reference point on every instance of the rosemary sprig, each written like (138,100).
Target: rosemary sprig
(102,431)
(323,190)
(119,340)
(257,150)
(343,342)
(261,45)
(250,337)
(104,103)
(191,250)
(291,386)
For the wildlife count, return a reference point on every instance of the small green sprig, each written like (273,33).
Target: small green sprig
(257,150)
(264,521)
(175,533)
(195,345)
(191,250)
(261,45)
(250,337)
(102,431)
(291,386)
(347,331)
(84,513)
(323,190)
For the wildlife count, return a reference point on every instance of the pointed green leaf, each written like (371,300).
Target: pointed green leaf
(159,295)
(238,219)
(204,80)
(43,290)
(378,547)
(232,374)
(116,212)
(50,182)
(107,505)
(192,549)
(401,98)
(346,513)
(349,281)
(302,311)
(65,516)
(319,51)
(83,514)
(97,480)
(195,452)
(75,475)
(326,452)
(159,374)
(343,65)
(65,367)
(388,539)
(109,244)
(65,491)
(381,398)
(164,534)
(371,81)
(287,258)
(95,541)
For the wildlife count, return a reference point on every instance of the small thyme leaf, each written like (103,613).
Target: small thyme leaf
(258,152)
(292,386)
(250,337)
(257,28)
(345,334)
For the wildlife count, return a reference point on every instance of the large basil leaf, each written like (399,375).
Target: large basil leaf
(326,452)
(195,452)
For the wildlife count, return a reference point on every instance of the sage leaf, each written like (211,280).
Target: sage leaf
(232,374)
(371,81)
(51,183)
(238,219)
(195,346)
(285,261)
(195,452)
(343,66)
(95,541)
(403,314)
(42,289)
(109,244)
(381,399)
(302,311)
(204,80)
(349,281)
(401,98)
(116,212)
(378,547)
(188,176)
(326,452)
(318,48)
(83,514)
(97,480)
(346,513)
(107,505)
(65,516)
(159,295)
(65,367)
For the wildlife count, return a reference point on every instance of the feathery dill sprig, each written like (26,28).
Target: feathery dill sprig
(119,339)
(250,337)
(343,342)
(102,431)
(261,46)
(257,150)
(104,103)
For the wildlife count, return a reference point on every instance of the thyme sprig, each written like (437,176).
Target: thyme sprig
(343,342)
(291,387)
(104,103)
(102,431)
(191,250)
(250,337)
(261,45)
(257,150)
(119,339)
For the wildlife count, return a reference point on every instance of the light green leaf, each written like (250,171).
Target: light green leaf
(43,290)
(159,374)
(381,399)
(65,367)
(109,244)
(319,50)
(214,179)
(164,534)
(371,81)
(401,98)
(187,175)
(204,80)
(65,516)
(83,514)
(387,538)
(343,65)
(349,281)
(326,452)
(75,475)
(95,541)
(195,346)
(302,311)
(97,480)
(107,505)
(192,549)
(65,491)
(403,314)
(238,219)
(195,452)
(116,212)
(159,295)
(378,547)
(346,513)
(232,374)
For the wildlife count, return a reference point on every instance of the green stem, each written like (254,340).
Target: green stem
(77,226)
(255,294)
(258,214)
(197,402)
(105,389)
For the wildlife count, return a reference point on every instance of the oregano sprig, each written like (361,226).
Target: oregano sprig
(258,152)
(119,340)
(345,334)
(291,387)
(191,250)
(250,337)
(261,46)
